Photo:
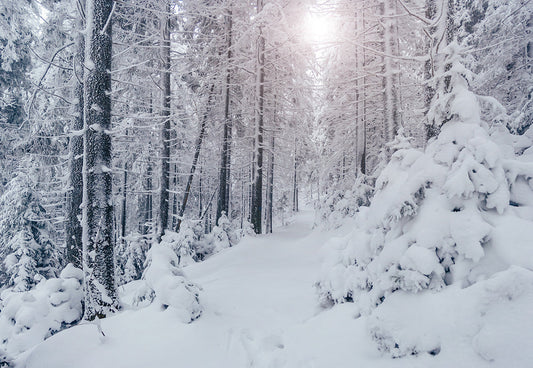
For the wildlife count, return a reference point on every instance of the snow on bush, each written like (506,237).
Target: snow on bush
(27,253)
(130,257)
(164,283)
(341,204)
(29,317)
(191,244)
(453,214)
(493,318)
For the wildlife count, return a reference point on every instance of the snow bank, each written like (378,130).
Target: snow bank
(492,319)
(29,317)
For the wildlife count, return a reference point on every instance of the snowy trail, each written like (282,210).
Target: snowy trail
(258,289)
(257,298)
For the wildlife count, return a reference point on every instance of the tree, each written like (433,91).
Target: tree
(74,229)
(257,191)
(225,162)
(27,253)
(98,240)
(165,128)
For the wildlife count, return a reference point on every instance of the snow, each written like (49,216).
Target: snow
(260,309)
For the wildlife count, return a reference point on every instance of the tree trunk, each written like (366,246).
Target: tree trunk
(124,201)
(165,130)
(100,291)
(361,91)
(147,215)
(198,146)
(223,191)
(257,193)
(390,70)
(440,36)
(74,229)
(270,188)
(295,181)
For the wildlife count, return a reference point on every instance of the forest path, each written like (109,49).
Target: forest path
(260,310)
(256,290)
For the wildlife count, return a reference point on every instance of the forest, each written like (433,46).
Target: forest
(266,183)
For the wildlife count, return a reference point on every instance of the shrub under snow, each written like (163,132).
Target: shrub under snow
(164,283)
(29,317)
(341,204)
(191,244)
(454,214)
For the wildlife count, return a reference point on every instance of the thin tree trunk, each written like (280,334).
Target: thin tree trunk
(270,189)
(165,130)
(295,181)
(175,182)
(198,146)
(223,191)
(147,218)
(390,73)
(257,195)
(124,201)
(361,91)
(74,229)
(100,290)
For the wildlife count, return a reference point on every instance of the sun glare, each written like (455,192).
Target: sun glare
(319,27)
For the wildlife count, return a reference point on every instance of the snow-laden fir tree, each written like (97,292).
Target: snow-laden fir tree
(440,216)
(27,253)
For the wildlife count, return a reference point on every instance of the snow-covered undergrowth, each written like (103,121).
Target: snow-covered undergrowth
(342,204)
(456,216)
(29,317)
(492,318)
(165,284)
(191,244)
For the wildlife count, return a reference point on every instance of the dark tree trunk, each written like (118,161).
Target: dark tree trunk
(295,180)
(100,291)
(74,229)
(270,188)
(225,162)
(124,201)
(165,130)
(257,192)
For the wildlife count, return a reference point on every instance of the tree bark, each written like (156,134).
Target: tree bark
(270,188)
(295,180)
(225,162)
(100,291)
(390,69)
(124,202)
(257,193)
(165,130)
(74,229)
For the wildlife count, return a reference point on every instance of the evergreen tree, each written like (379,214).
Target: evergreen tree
(27,253)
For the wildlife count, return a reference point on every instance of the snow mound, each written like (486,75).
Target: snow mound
(164,283)
(29,317)
(492,318)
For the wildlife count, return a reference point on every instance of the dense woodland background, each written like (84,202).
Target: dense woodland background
(127,124)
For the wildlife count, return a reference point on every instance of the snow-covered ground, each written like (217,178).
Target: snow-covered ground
(261,310)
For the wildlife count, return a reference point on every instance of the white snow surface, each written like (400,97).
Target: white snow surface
(260,309)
